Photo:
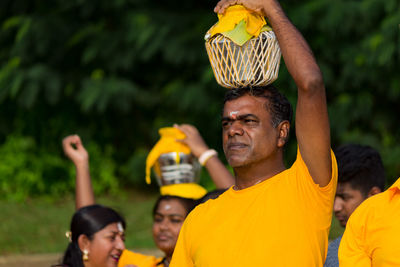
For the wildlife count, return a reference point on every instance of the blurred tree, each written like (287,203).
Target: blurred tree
(116,71)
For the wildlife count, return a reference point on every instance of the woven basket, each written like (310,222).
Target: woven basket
(256,63)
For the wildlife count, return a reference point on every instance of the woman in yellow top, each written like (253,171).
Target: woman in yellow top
(169,211)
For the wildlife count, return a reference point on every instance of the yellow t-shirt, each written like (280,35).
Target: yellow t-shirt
(282,221)
(131,258)
(372,236)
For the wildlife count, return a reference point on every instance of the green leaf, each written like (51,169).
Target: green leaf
(239,34)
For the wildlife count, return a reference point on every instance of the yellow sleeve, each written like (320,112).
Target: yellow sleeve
(331,186)
(302,171)
(182,255)
(317,199)
(352,249)
(132,258)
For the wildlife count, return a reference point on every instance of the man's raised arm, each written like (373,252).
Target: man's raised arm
(312,123)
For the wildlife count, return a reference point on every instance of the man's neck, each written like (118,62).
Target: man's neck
(253,174)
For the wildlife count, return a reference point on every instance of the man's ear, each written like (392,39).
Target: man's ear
(374,190)
(283,133)
(83,242)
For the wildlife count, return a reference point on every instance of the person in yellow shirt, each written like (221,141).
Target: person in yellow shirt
(169,210)
(360,175)
(372,233)
(272,216)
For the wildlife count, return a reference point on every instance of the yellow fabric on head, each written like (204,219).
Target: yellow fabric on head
(166,144)
(233,16)
(186,190)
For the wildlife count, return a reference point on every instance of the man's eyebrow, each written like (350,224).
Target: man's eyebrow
(246,116)
(240,117)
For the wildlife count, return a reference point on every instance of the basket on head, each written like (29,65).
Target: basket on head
(254,63)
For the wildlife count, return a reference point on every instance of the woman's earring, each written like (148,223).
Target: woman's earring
(85,255)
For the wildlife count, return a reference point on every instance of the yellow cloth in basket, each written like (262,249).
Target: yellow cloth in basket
(238,15)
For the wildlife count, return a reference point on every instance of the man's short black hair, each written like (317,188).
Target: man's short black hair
(278,105)
(361,166)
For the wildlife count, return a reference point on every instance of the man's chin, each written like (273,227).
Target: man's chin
(343,223)
(236,163)
(165,246)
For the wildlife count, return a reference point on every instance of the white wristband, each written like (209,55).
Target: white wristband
(206,156)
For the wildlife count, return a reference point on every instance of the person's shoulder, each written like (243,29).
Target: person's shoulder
(210,204)
(131,257)
(298,164)
(373,202)
(369,209)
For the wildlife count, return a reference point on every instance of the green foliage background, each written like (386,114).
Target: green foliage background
(116,71)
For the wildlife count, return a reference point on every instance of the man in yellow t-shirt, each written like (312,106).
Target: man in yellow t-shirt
(372,235)
(272,216)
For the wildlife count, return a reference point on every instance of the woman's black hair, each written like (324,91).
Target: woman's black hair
(88,221)
(187,203)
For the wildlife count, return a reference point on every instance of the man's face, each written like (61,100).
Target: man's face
(247,132)
(347,200)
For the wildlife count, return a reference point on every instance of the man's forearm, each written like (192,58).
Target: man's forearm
(297,54)
(312,122)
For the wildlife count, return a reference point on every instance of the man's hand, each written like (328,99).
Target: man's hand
(257,6)
(74,149)
(193,139)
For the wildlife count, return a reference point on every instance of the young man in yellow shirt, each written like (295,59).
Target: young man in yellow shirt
(372,235)
(360,176)
(272,216)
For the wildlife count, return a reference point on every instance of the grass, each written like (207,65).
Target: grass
(39,225)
